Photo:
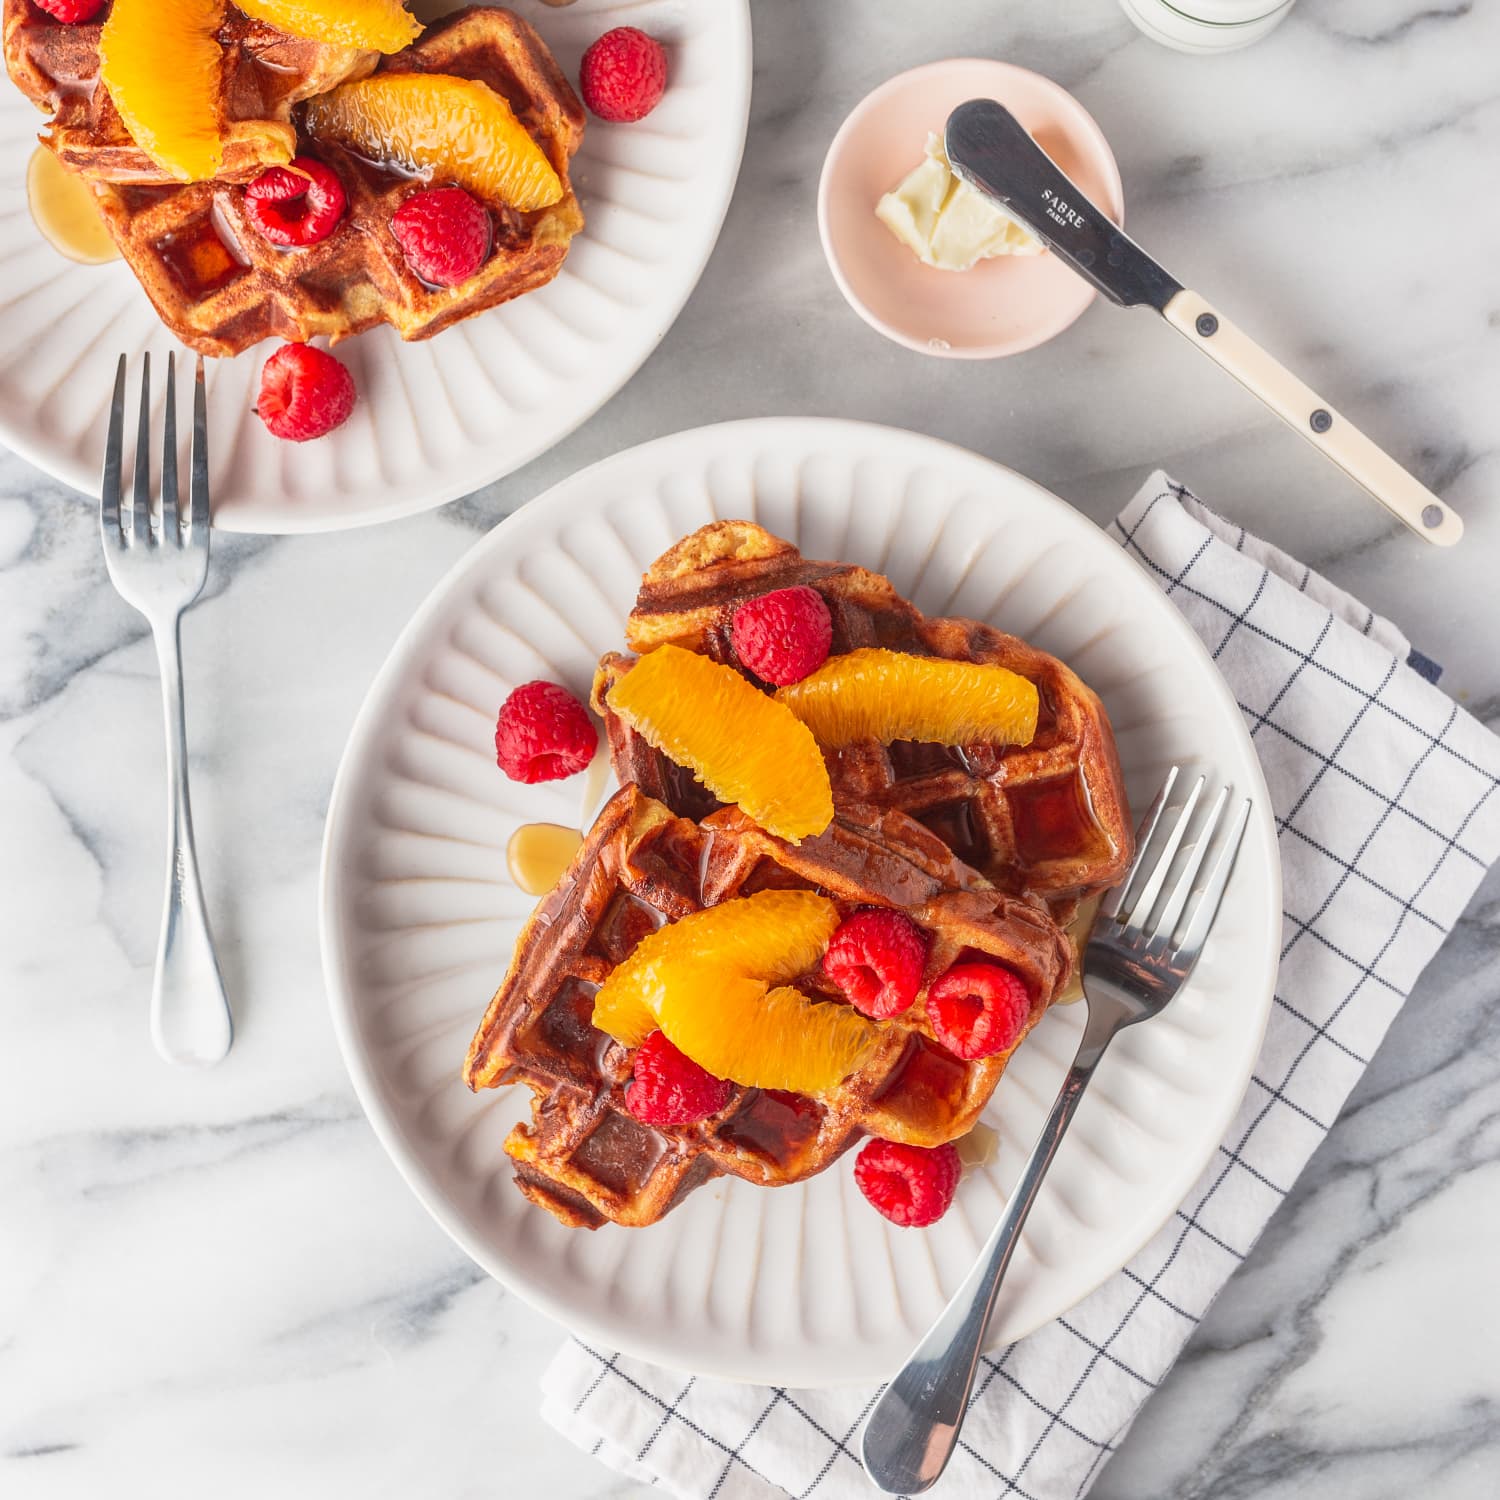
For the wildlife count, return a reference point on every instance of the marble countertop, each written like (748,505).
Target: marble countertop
(217,1284)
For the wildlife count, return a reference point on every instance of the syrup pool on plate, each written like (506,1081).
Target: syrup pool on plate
(1078,931)
(65,212)
(539,853)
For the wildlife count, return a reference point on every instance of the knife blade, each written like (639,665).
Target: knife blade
(995,154)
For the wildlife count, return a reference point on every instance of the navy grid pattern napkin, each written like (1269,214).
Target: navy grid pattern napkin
(1388,814)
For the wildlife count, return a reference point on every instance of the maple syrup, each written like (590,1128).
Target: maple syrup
(1078,931)
(776,1125)
(64,211)
(625,922)
(539,853)
(1054,819)
(200,260)
(927,1085)
(620,1154)
(566,1027)
(979,1147)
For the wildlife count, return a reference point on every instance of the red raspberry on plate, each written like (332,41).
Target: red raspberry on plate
(304,393)
(911,1185)
(444,233)
(623,75)
(783,635)
(543,733)
(978,1009)
(669,1088)
(296,205)
(876,959)
(71,12)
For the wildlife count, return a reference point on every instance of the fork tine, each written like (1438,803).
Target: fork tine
(169,513)
(1207,907)
(114,445)
(1177,897)
(1143,834)
(1142,906)
(199,479)
(140,495)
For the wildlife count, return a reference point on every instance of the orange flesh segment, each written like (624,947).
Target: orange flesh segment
(873,694)
(768,1038)
(162,64)
(378,25)
(745,747)
(450,129)
(771,936)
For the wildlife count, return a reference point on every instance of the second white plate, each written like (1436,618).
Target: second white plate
(804,1285)
(435,419)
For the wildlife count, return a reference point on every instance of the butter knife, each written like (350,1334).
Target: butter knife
(995,154)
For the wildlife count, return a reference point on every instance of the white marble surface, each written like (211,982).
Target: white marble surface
(216,1284)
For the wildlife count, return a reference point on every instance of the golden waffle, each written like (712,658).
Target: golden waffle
(265,75)
(583,1157)
(220,287)
(1049,817)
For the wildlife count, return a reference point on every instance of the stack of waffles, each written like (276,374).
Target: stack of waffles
(217,283)
(989,848)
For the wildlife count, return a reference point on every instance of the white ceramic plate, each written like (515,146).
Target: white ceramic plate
(803,1285)
(436,419)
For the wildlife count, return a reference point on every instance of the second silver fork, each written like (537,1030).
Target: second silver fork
(158,560)
(1149,933)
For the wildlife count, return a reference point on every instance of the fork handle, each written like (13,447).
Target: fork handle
(190,1021)
(914,1425)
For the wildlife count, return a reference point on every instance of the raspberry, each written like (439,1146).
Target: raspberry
(443,233)
(978,1009)
(623,75)
(876,958)
(911,1185)
(304,393)
(543,734)
(782,636)
(71,12)
(295,205)
(669,1088)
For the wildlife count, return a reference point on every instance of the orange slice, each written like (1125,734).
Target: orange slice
(378,25)
(745,747)
(873,694)
(162,64)
(771,935)
(766,1038)
(456,129)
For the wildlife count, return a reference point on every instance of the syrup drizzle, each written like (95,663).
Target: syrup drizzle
(539,853)
(64,211)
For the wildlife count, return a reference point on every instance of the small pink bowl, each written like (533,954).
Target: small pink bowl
(1000,306)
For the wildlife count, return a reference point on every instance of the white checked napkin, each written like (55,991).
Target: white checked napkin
(1386,806)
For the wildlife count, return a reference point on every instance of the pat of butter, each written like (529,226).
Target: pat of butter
(945,222)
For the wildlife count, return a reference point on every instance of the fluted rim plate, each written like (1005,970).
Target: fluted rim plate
(803,1285)
(435,419)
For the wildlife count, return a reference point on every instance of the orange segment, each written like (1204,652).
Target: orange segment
(774,935)
(379,25)
(873,694)
(743,746)
(455,129)
(775,1040)
(162,63)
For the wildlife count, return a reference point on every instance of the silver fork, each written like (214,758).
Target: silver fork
(158,563)
(1132,966)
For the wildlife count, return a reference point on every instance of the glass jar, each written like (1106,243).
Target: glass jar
(1207,25)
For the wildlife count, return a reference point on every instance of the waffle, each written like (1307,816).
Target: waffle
(220,287)
(1049,817)
(265,75)
(583,1157)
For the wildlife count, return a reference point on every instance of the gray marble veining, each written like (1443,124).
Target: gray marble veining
(216,1283)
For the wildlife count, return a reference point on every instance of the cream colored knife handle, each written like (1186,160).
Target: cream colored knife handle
(1300,407)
